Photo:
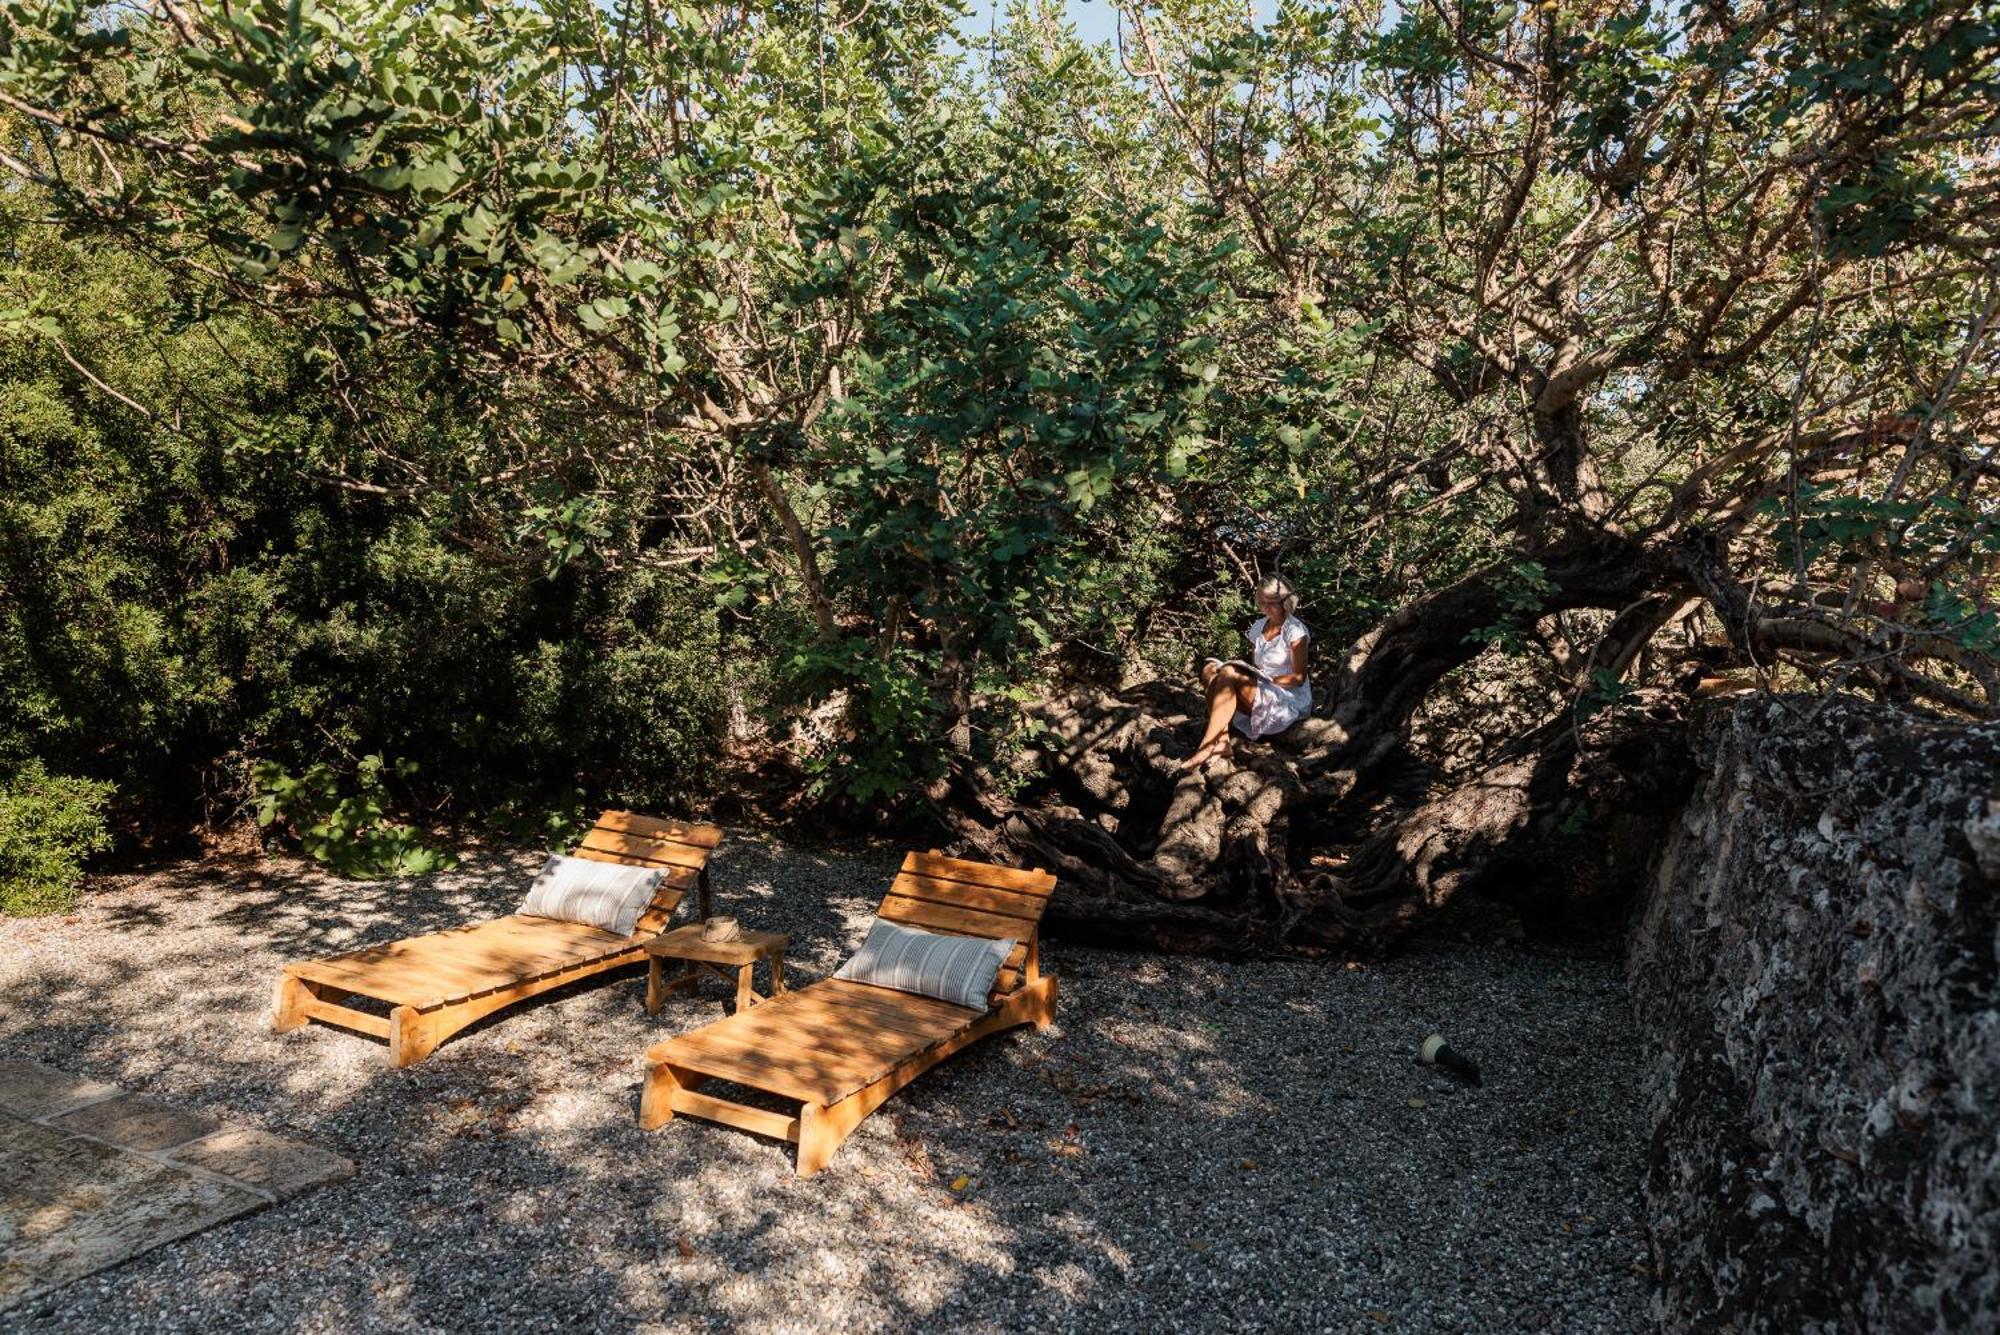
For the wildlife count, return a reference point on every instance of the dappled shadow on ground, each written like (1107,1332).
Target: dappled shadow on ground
(1195,1143)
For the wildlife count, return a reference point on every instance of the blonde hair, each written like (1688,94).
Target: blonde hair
(1272,586)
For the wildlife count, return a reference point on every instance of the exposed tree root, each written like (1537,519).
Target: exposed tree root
(1328,838)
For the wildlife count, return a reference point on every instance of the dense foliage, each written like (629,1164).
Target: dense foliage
(49,824)
(180,598)
(553,394)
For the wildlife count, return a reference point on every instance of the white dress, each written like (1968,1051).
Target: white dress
(1277,707)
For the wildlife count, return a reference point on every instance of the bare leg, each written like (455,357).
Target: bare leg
(1228,690)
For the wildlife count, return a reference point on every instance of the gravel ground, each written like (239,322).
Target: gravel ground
(1194,1145)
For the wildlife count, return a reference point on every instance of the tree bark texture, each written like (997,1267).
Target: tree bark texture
(1328,838)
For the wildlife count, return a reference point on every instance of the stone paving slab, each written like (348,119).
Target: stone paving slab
(134,1122)
(70,1207)
(30,1089)
(272,1164)
(91,1175)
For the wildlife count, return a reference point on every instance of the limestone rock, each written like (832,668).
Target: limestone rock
(1818,961)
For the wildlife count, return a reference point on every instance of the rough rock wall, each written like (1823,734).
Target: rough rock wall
(1818,962)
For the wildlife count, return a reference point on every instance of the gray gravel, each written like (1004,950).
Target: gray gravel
(1195,1144)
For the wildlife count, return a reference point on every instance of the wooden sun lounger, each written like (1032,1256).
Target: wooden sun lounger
(839,1048)
(438,984)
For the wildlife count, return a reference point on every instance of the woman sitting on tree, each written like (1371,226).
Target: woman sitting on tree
(1269,693)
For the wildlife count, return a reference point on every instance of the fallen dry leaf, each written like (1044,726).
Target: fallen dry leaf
(686,1248)
(961,1182)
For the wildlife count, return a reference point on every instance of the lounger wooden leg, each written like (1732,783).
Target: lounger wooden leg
(817,1139)
(413,1035)
(1041,1002)
(823,1128)
(288,1004)
(656,1097)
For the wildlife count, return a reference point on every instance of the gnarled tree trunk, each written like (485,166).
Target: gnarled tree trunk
(1327,837)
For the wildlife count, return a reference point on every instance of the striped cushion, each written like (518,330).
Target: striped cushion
(958,969)
(599,894)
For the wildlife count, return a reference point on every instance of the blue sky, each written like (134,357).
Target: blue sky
(1096,20)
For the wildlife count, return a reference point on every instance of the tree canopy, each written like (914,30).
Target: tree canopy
(799,361)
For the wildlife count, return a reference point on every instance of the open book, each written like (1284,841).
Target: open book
(1240,665)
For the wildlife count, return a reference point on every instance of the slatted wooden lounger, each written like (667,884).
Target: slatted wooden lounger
(842,1048)
(438,984)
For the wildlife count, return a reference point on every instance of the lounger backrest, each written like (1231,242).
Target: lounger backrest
(941,894)
(678,848)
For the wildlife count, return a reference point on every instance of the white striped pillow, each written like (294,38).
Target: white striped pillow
(958,969)
(610,895)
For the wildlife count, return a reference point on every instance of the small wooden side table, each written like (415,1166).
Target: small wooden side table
(717,957)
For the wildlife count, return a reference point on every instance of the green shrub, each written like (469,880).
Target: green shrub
(173,598)
(884,739)
(49,823)
(350,834)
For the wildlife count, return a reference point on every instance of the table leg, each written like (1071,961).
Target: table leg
(655,985)
(746,997)
(777,973)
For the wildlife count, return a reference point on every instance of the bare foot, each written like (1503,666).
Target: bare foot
(1202,756)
